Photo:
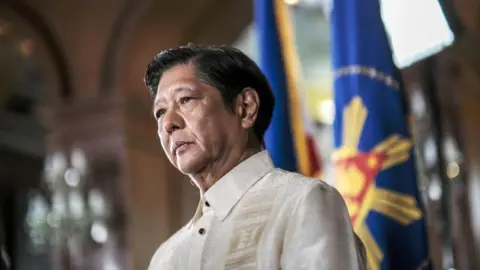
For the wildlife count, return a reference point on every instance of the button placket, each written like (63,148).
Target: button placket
(203,224)
(199,236)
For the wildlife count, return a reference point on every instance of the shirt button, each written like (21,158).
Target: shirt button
(207,204)
(201,231)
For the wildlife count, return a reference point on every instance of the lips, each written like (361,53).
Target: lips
(177,145)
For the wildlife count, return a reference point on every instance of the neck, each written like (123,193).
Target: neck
(205,179)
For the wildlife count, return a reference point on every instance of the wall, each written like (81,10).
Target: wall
(101,50)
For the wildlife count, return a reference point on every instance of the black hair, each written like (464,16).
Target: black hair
(224,67)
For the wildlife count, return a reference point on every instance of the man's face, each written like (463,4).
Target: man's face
(194,126)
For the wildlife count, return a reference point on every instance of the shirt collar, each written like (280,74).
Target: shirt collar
(227,191)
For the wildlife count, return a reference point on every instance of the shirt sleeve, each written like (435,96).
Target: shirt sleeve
(319,234)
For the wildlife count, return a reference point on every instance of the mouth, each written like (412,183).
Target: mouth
(178,147)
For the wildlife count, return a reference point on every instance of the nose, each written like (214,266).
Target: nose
(172,121)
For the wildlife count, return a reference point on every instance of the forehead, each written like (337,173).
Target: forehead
(175,76)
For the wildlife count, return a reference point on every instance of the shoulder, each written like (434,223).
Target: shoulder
(164,254)
(299,185)
(301,191)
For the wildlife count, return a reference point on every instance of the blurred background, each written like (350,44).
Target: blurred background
(83,180)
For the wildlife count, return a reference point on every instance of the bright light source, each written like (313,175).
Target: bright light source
(326,111)
(99,233)
(435,189)
(72,177)
(291,2)
(417,29)
(453,170)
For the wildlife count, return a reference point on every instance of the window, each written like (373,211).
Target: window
(417,29)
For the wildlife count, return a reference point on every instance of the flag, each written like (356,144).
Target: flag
(374,165)
(289,145)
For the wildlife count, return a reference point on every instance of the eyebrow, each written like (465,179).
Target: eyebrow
(178,88)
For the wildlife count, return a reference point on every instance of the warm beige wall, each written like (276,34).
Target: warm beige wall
(148,211)
(158,199)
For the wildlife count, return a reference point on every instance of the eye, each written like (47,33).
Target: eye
(159,113)
(184,100)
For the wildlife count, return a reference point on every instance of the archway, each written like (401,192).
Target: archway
(29,85)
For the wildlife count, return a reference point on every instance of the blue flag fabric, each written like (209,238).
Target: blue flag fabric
(279,137)
(373,161)
(289,145)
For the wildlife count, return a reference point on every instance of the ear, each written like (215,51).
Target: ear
(247,106)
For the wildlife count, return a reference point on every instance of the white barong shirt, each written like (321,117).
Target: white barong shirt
(260,217)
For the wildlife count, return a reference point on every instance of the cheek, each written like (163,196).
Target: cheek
(205,131)
(212,133)
(164,143)
(199,126)
(208,124)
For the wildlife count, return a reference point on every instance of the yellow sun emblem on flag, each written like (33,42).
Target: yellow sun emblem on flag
(356,172)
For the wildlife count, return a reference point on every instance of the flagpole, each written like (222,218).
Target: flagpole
(292,66)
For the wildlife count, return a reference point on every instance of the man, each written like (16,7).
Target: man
(212,106)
